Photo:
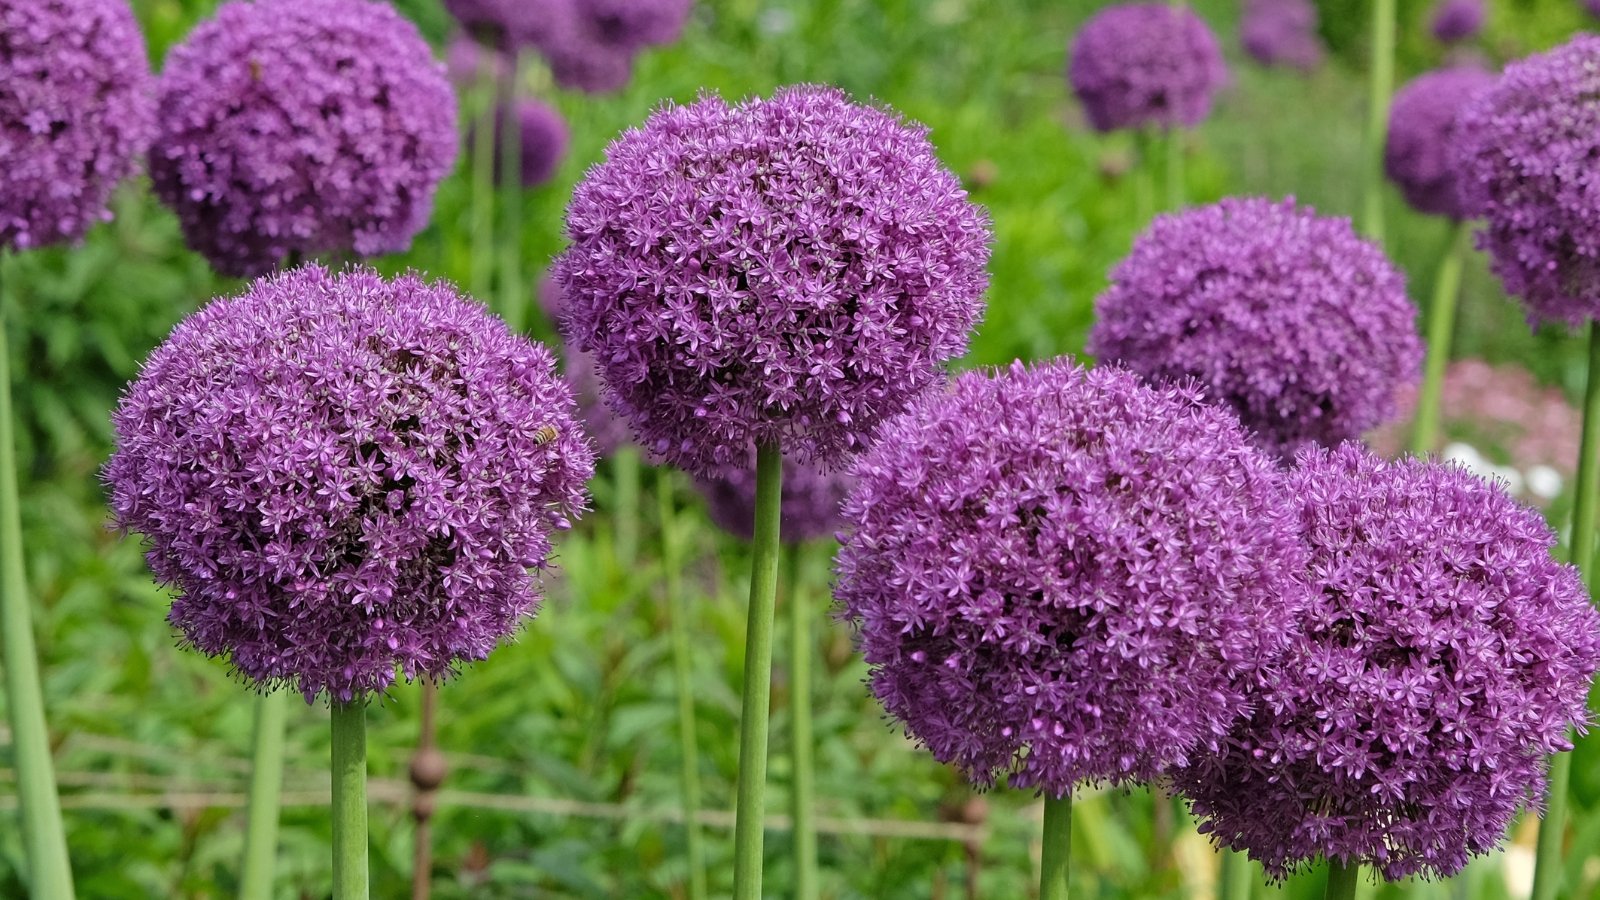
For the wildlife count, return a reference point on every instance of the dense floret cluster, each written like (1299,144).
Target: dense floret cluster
(809,501)
(1420,153)
(608,431)
(1282,33)
(1137,65)
(342,476)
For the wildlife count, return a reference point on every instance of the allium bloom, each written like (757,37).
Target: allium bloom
(1282,33)
(342,475)
(608,431)
(810,501)
(1457,20)
(1145,64)
(542,140)
(1528,148)
(1066,575)
(1420,154)
(1443,656)
(1592,7)
(308,126)
(505,24)
(76,103)
(1288,317)
(791,270)
(591,43)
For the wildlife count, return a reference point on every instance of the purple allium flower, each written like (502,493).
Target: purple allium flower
(506,24)
(1457,20)
(1592,7)
(1420,154)
(1288,317)
(1444,654)
(1282,33)
(1528,148)
(1145,64)
(468,62)
(1066,575)
(341,475)
(308,126)
(608,431)
(542,140)
(791,270)
(76,104)
(810,500)
(590,44)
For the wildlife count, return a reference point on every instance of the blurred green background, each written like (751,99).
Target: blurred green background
(564,739)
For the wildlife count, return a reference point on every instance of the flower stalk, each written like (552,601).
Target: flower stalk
(266,783)
(1441,326)
(1380,81)
(349,723)
(1342,879)
(1056,852)
(683,685)
(1234,881)
(802,813)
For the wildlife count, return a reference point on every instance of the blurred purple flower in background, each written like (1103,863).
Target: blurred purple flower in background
(1065,575)
(810,501)
(590,45)
(1290,318)
(1420,154)
(1457,20)
(542,141)
(792,270)
(1282,33)
(76,106)
(302,126)
(1145,64)
(342,475)
(469,63)
(1444,655)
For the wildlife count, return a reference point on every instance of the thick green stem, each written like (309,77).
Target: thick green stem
(266,782)
(683,685)
(802,809)
(1056,851)
(1441,325)
(350,800)
(1235,880)
(482,208)
(750,803)
(625,472)
(513,295)
(1380,81)
(1547,859)
(43,836)
(1342,879)
(1175,189)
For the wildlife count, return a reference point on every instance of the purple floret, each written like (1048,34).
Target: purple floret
(542,140)
(606,428)
(1528,149)
(809,501)
(1138,65)
(791,270)
(342,476)
(1300,326)
(76,106)
(1420,154)
(302,126)
(1457,20)
(1282,33)
(1444,656)
(1066,576)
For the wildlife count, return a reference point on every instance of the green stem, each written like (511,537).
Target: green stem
(349,721)
(1144,189)
(803,798)
(1342,878)
(1056,851)
(682,677)
(1441,325)
(482,208)
(1381,84)
(1236,879)
(1552,828)
(750,803)
(1174,148)
(43,835)
(266,781)
(625,471)
(513,297)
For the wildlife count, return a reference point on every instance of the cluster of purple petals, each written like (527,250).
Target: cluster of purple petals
(302,126)
(810,501)
(791,270)
(1282,33)
(589,44)
(77,102)
(1527,156)
(1065,575)
(1290,318)
(1592,7)
(1138,65)
(1420,154)
(342,476)
(608,431)
(1443,657)
(1457,20)
(541,141)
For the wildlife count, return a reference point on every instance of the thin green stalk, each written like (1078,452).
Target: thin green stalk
(513,296)
(750,803)
(802,799)
(1441,325)
(349,722)
(683,684)
(482,208)
(266,782)
(1552,828)
(1144,189)
(43,835)
(1381,84)
(1342,879)
(1175,188)
(625,472)
(1235,880)
(1056,851)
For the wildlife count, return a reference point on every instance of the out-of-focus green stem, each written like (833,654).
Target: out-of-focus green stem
(266,783)
(1342,879)
(625,472)
(349,722)
(482,207)
(802,810)
(683,684)
(1235,879)
(751,800)
(1380,82)
(1441,325)
(513,292)
(1056,850)
(1175,187)
(1144,189)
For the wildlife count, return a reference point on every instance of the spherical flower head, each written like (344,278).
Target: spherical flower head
(634,24)
(302,126)
(1282,33)
(1420,153)
(505,25)
(342,476)
(787,271)
(542,140)
(1066,575)
(76,107)
(1528,146)
(1300,326)
(809,501)
(1457,20)
(1443,656)
(1137,65)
